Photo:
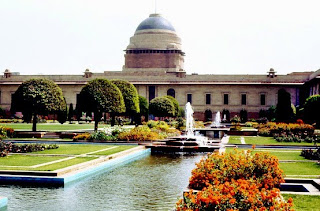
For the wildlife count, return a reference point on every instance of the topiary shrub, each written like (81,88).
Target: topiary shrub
(311,110)
(162,107)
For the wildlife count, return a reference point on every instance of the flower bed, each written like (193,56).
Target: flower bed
(235,181)
(311,154)
(9,147)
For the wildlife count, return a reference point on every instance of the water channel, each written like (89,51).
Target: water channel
(154,182)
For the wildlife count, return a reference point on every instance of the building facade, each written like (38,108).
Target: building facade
(154,63)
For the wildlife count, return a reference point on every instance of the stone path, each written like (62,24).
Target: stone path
(242,140)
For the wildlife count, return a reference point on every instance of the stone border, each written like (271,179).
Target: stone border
(3,202)
(66,175)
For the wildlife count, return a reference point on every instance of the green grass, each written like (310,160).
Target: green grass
(114,150)
(282,155)
(64,164)
(304,202)
(74,149)
(234,140)
(25,160)
(54,166)
(50,126)
(300,168)
(21,162)
(260,140)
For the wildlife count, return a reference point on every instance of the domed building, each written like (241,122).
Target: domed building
(154,63)
(155,45)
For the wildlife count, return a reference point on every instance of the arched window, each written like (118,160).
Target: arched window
(208,115)
(171,92)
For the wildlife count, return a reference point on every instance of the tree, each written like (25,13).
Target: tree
(130,96)
(161,107)
(144,109)
(38,97)
(175,103)
(70,113)
(63,114)
(312,110)
(243,115)
(98,96)
(284,111)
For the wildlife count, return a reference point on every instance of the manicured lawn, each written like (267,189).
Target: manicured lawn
(234,140)
(304,202)
(119,148)
(52,167)
(261,140)
(74,149)
(283,155)
(300,168)
(51,126)
(64,164)
(25,160)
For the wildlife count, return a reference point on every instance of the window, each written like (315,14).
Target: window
(243,99)
(225,99)
(189,98)
(152,92)
(171,92)
(262,99)
(208,99)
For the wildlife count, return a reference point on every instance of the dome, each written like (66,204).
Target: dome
(155,21)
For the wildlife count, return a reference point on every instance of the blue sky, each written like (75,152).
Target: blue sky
(218,37)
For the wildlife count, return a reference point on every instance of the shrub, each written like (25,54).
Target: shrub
(141,133)
(235,181)
(162,107)
(311,110)
(234,195)
(83,136)
(221,168)
(311,154)
(9,147)
(102,136)
(6,132)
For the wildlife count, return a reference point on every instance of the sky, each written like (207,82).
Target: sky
(218,37)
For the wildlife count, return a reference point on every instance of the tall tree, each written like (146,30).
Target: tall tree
(70,113)
(284,111)
(130,97)
(311,110)
(38,97)
(144,109)
(98,96)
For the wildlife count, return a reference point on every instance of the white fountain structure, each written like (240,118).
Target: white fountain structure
(217,120)
(201,140)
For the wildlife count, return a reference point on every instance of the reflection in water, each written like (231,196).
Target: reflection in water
(152,183)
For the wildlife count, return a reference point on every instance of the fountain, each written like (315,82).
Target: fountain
(189,142)
(217,121)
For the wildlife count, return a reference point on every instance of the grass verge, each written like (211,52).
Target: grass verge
(74,149)
(304,202)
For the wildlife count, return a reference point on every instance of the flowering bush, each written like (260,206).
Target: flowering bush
(234,195)
(273,128)
(220,168)
(8,147)
(235,181)
(311,154)
(142,133)
(6,132)
(162,128)
(83,136)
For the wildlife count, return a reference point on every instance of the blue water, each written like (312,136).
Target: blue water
(154,182)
